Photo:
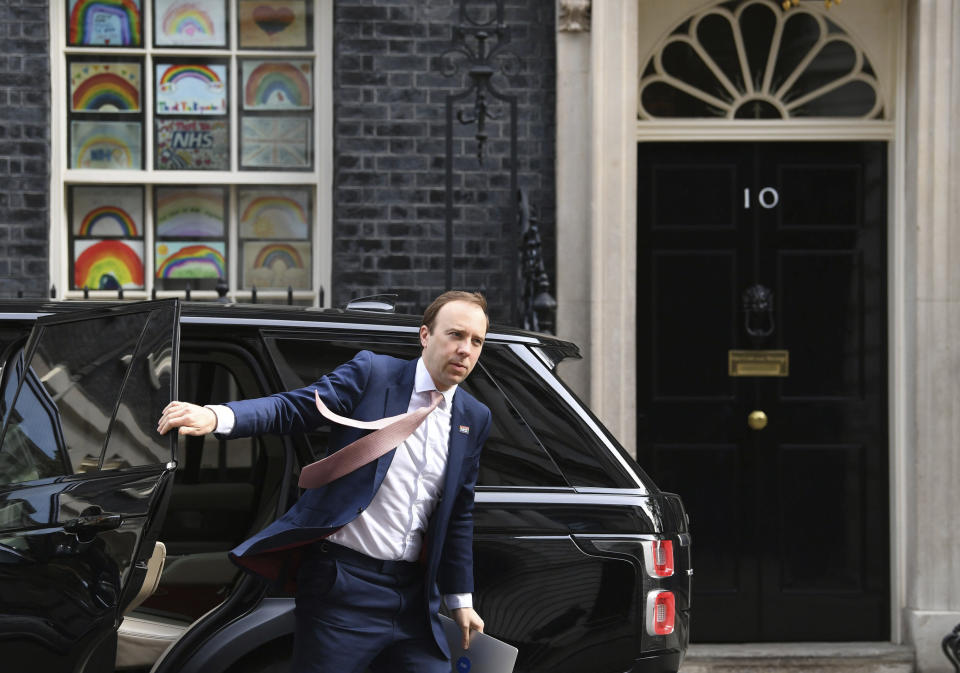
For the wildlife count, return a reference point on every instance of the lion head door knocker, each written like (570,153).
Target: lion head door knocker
(758,311)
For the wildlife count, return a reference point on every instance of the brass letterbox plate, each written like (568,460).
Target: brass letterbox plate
(759,363)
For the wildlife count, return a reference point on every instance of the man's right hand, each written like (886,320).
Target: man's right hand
(190,418)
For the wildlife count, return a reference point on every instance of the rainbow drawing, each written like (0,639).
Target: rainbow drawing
(114,23)
(187,20)
(104,152)
(107,265)
(273,216)
(190,212)
(178,72)
(276,264)
(191,88)
(112,145)
(190,260)
(109,220)
(277,85)
(102,88)
(274,253)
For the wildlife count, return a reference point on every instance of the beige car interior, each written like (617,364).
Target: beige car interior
(142,639)
(224,490)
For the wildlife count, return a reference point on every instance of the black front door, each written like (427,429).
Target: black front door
(765,247)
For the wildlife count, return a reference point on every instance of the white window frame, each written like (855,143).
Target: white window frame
(62,177)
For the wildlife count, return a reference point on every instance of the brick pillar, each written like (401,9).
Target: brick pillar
(24,147)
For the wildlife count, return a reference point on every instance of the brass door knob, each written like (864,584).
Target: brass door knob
(757,420)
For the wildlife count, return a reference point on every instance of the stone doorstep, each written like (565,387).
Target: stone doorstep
(796,657)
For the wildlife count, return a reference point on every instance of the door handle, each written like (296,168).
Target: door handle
(93,523)
(757,420)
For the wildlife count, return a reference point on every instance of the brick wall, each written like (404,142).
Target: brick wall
(389,109)
(24,147)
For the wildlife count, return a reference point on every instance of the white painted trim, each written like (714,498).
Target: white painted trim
(57,240)
(900,318)
(764,130)
(323,129)
(613,218)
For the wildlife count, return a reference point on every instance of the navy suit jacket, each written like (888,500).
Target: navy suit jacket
(369,387)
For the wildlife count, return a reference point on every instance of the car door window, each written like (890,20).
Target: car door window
(32,448)
(512,455)
(134,439)
(77,378)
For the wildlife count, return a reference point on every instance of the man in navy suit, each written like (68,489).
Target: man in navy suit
(370,553)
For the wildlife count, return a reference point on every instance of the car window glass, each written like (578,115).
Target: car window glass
(69,389)
(31,449)
(512,456)
(578,452)
(133,438)
(68,392)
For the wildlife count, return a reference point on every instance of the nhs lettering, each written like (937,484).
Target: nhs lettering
(191,140)
(192,144)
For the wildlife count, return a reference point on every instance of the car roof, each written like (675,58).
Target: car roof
(280,316)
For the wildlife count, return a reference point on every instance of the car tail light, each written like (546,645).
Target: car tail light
(661,613)
(658,558)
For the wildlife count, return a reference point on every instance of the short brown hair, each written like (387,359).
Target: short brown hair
(430,315)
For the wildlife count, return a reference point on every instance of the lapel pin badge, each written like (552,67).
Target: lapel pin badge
(465,429)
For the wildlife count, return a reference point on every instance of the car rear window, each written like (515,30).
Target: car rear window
(512,455)
(581,455)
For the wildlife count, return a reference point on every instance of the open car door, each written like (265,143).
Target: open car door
(84,479)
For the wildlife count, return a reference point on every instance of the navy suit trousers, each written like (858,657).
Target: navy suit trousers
(354,613)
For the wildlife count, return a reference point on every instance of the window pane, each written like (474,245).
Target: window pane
(107,264)
(281,212)
(193,144)
(133,438)
(579,453)
(69,392)
(106,145)
(31,449)
(105,86)
(183,263)
(512,456)
(191,88)
(276,264)
(279,143)
(107,210)
(191,212)
(107,23)
(275,24)
(277,85)
(190,23)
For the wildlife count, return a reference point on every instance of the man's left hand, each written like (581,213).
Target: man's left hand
(468,620)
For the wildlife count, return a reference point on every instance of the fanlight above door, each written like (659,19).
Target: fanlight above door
(750,59)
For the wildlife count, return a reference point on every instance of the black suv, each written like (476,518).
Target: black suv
(581,562)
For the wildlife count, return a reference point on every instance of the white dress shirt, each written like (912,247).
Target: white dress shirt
(393,525)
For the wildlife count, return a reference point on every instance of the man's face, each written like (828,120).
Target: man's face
(452,347)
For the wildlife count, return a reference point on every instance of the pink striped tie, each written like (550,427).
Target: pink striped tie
(390,432)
